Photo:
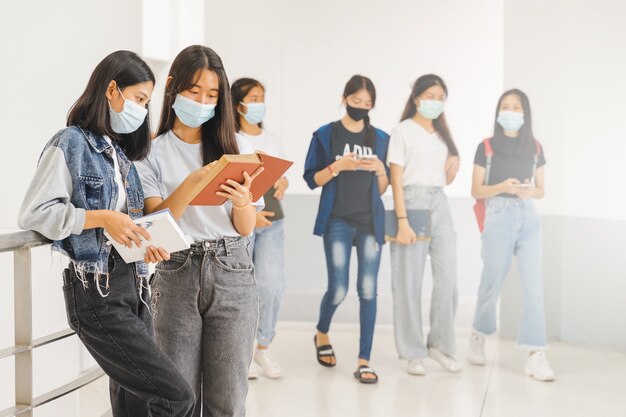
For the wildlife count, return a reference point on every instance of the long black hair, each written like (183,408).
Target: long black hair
(218,134)
(239,90)
(526,139)
(355,84)
(440,125)
(91,110)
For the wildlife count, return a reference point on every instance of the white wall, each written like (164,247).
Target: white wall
(305,52)
(48,51)
(568,56)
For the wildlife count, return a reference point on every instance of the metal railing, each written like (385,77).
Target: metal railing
(20,244)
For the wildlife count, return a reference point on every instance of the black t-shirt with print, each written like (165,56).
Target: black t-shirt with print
(353,203)
(507,163)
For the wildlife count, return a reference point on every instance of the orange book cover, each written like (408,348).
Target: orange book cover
(232,167)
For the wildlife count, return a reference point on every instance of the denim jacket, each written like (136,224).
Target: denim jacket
(76,173)
(320,156)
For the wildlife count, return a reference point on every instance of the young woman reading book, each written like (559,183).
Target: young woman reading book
(204,298)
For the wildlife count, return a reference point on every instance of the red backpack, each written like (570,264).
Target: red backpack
(480,208)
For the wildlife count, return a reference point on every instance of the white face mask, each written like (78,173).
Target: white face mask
(129,119)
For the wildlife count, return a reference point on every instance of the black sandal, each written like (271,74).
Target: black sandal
(325,351)
(365,369)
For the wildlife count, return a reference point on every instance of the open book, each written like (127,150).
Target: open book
(232,167)
(164,233)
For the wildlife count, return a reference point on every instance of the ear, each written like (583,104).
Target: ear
(242,109)
(110,89)
(168,81)
(416,101)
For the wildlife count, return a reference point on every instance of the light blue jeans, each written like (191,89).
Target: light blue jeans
(267,246)
(512,227)
(407,272)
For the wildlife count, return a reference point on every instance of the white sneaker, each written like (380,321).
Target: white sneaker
(538,367)
(270,367)
(252,373)
(449,363)
(476,351)
(416,367)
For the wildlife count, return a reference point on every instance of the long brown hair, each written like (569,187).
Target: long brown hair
(239,91)
(91,110)
(357,83)
(422,84)
(218,134)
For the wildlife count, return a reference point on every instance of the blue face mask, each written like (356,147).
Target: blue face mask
(191,113)
(129,119)
(511,121)
(255,112)
(430,109)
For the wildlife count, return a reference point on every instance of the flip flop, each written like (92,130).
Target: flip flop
(364,369)
(325,351)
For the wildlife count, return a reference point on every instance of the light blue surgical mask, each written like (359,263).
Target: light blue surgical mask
(255,112)
(430,109)
(511,121)
(129,119)
(191,113)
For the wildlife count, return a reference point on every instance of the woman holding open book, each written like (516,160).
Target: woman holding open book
(346,159)
(86,185)
(268,240)
(204,298)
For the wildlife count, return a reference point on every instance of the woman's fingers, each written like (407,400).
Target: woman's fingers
(254,175)
(165,255)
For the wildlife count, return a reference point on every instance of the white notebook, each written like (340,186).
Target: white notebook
(164,233)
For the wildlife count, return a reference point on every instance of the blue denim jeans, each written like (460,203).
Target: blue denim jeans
(407,273)
(512,227)
(338,241)
(268,254)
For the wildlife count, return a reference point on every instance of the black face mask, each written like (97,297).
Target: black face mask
(356,114)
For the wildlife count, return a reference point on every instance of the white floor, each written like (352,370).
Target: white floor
(590,382)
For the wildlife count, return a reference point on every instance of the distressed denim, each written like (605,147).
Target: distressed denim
(267,245)
(407,273)
(339,238)
(117,331)
(89,158)
(512,227)
(205,309)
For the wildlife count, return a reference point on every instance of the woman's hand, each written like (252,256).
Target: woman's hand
(347,163)
(280,187)
(373,165)
(526,192)
(199,174)
(406,235)
(122,229)
(239,194)
(452,166)
(509,186)
(262,218)
(154,255)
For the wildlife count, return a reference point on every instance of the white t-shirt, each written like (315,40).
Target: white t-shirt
(422,155)
(268,143)
(120,205)
(170,161)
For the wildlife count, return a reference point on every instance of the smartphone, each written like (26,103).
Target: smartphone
(366,156)
(524,185)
